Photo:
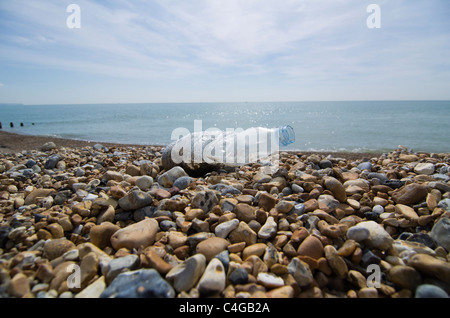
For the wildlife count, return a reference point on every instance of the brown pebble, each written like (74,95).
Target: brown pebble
(57,247)
(257,249)
(244,212)
(430,265)
(312,247)
(368,292)
(336,263)
(266,201)
(236,247)
(211,247)
(281,292)
(405,277)
(347,248)
(56,230)
(135,235)
(44,273)
(19,286)
(156,262)
(101,234)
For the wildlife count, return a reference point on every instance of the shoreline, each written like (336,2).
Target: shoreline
(15,142)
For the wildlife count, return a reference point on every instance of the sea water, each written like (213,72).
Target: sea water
(351,126)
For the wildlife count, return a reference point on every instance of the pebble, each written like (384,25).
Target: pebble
(211,247)
(268,230)
(19,286)
(94,290)
(406,211)
(176,239)
(244,212)
(430,291)
(440,233)
(243,233)
(358,233)
(52,161)
(266,201)
(430,265)
(61,273)
(336,187)
(183,182)
(404,249)
(213,279)
(444,204)
(223,229)
(185,275)
(144,182)
(205,200)
(372,234)
(301,272)
(37,194)
(155,261)
(424,168)
(311,247)
(101,234)
(405,277)
(365,166)
(410,194)
(119,265)
(347,248)
(336,263)
(107,215)
(88,268)
(142,233)
(48,146)
(239,276)
(269,280)
(281,292)
(284,206)
(135,200)
(169,177)
(112,175)
(423,238)
(257,249)
(143,283)
(368,292)
(57,247)
(297,189)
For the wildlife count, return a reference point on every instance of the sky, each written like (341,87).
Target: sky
(155,51)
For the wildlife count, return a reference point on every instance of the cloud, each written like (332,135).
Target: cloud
(303,43)
(1,84)
(176,37)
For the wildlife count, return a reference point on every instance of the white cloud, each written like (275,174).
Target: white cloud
(1,84)
(303,42)
(175,36)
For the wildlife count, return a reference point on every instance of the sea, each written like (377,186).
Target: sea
(342,126)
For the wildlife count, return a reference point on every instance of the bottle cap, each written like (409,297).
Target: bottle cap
(287,135)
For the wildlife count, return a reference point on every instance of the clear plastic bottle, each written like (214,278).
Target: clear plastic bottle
(200,152)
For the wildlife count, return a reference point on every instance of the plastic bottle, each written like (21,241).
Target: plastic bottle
(200,152)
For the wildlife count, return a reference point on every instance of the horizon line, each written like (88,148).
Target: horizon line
(236,102)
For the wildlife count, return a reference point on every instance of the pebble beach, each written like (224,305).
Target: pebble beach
(97,220)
